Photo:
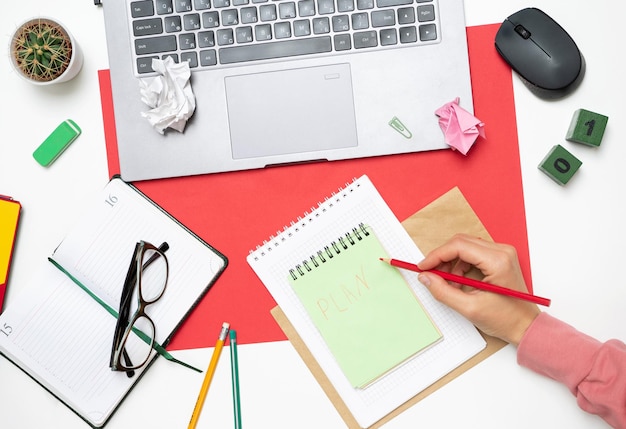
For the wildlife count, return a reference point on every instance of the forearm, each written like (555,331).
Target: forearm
(594,372)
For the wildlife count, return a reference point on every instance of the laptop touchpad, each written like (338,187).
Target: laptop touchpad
(291,111)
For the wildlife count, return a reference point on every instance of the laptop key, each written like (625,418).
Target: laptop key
(406,15)
(341,23)
(144,65)
(225,37)
(191,22)
(268,12)
(426,13)
(345,5)
(263,32)
(173,24)
(187,41)
(388,37)
(182,5)
(342,42)
(287,10)
(206,39)
(390,3)
(153,45)
(282,30)
(364,4)
(191,58)
(365,39)
(208,57)
(383,18)
(360,21)
(243,34)
(140,9)
(210,19)
(321,25)
(249,15)
(201,4)
(147,27)
(272,50)
(428,32)
(163,7)
(230,17)
(408,34)
(301,28)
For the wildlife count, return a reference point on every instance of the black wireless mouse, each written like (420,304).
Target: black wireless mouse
(541,52)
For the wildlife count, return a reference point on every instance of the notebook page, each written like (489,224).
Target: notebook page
(360,202)
(99,248)
(63,337)
(64,340)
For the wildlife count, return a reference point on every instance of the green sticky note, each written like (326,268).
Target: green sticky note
(364,309)
(560,165)
(56,142)
(587,127)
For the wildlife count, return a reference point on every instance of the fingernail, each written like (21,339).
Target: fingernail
(424,279)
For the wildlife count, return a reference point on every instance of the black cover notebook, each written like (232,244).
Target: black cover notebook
(61,336)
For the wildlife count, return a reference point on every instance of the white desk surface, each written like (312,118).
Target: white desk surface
(575,234)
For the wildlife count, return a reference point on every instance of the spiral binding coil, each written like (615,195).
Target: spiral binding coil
(302,221)
(334,248)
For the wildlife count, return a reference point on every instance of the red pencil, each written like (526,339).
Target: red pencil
(471,282)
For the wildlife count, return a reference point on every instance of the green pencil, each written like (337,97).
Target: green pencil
(234,367)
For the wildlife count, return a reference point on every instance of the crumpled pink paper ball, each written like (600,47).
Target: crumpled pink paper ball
(460,128)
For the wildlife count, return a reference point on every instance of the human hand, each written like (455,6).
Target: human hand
(495,314)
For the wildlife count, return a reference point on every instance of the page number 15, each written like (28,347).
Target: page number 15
(6,330)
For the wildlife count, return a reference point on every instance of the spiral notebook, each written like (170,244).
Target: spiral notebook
(359,202)
(359,303)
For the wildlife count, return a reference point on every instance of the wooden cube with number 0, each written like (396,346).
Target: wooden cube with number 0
(587,128)
(560,165)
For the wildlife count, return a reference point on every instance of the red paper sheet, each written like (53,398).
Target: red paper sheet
(236,211)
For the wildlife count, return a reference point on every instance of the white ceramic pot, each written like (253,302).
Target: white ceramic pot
(74,66)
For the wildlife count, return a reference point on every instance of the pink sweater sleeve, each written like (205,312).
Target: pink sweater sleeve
(594,372)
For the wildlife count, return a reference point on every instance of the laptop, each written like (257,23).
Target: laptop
(286,81)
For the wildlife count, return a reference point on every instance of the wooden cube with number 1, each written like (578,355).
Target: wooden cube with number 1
(587,128)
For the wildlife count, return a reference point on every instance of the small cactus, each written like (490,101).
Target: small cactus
(41,50)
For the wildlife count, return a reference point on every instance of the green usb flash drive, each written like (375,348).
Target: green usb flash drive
(56,142)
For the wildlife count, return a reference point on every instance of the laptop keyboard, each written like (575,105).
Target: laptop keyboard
(218,33)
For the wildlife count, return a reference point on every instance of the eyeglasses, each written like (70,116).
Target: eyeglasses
(146,279)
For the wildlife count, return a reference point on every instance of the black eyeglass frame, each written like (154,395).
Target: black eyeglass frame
(119,359)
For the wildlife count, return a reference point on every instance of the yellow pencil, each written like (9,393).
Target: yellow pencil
(209,375)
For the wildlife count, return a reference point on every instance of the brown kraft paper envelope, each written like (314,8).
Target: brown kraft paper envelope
(430,227)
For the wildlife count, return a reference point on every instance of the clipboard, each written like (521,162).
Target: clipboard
(9,219)
(429,227)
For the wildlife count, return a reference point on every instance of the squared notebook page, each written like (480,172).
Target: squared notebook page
(359,202)
(62,337)
(355,300)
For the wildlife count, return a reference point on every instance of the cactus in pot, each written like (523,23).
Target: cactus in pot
(42,50)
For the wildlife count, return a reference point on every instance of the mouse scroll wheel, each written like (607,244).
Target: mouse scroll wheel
(522,31)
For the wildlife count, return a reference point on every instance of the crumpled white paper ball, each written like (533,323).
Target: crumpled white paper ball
(169,95)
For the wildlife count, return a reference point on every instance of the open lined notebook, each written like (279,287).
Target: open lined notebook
(360,203)
(61,336)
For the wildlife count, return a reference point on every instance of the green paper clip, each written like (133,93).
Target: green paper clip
(397,125)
